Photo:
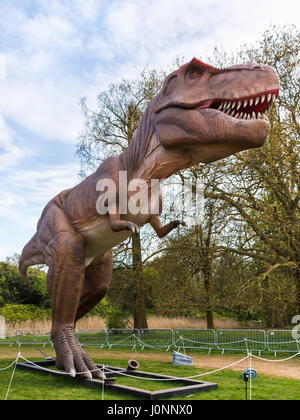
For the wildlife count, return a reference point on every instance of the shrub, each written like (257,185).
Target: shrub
(18,313)
(117,318)
(101,310)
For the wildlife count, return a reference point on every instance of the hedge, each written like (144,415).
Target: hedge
(18,313)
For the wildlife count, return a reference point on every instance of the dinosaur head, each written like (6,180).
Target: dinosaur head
(212,113)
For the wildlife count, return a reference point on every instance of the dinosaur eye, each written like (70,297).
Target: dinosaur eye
(195,73)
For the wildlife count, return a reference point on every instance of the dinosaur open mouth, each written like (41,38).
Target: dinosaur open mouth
(247,108)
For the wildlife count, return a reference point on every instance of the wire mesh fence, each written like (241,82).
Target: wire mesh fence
(92,337)
(195,339)
(255,340)
(282,341)
(33,337)
(9,337)
(252,340)
(156,338)
(124,337)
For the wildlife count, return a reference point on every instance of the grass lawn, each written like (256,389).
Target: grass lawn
(38,386)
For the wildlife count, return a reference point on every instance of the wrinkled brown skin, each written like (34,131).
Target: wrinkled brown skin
(175,133)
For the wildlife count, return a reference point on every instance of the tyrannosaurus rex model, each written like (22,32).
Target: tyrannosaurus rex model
(202,114)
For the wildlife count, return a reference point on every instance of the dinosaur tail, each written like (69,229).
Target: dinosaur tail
(30,256)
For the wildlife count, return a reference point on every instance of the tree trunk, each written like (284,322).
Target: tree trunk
(139,310)
(207,281)
(210,319)
(270,311)
(297,278)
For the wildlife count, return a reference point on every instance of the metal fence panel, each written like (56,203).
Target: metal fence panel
(33,337)
(282,341)
(10,337)
(222,339)
(253,340)
(156,337)
(195,339)
(92,337)
(122,337)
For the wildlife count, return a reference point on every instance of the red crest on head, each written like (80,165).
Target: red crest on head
(196,61)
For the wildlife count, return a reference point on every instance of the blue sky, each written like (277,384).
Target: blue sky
(53,52)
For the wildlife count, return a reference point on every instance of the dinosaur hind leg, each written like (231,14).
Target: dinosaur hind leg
(98,277)
(65,283)
(96,284)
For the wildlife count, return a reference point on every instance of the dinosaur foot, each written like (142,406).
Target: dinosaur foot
(70,356)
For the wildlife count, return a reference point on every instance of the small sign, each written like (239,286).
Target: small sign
(181,359)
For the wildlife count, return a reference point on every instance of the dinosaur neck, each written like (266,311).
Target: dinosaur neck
(159,163)
(145,158)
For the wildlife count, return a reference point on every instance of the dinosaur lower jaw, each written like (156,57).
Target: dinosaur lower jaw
(247,108)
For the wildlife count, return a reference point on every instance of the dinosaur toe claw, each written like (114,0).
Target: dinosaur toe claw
(70,356)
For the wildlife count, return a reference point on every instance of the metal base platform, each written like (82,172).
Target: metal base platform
(189,386)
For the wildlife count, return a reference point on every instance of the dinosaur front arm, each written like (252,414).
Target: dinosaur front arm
(161,230)
(117,225)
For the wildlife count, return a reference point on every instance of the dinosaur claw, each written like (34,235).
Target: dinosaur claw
(70,356)
(72,372)
(133,227)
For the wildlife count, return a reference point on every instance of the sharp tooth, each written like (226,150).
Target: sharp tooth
(245,103)
(225,105)
(237,115)
(241,115)
(245,116)
(239,105)
(256,100)
(251,102)
(249,117)
(233,105)
(220,106)
(269,97)
(259,115)
(253,115)
(273,97)
(228,105)
(263,98)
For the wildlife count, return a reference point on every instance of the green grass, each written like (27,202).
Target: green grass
(38,386)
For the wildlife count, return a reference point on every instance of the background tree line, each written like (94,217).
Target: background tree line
(243,260)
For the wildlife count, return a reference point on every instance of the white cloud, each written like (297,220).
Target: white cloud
(25,193)
(42,184)
(2,67)
(158,31)
(10,153)
(44,108)
(48,50)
